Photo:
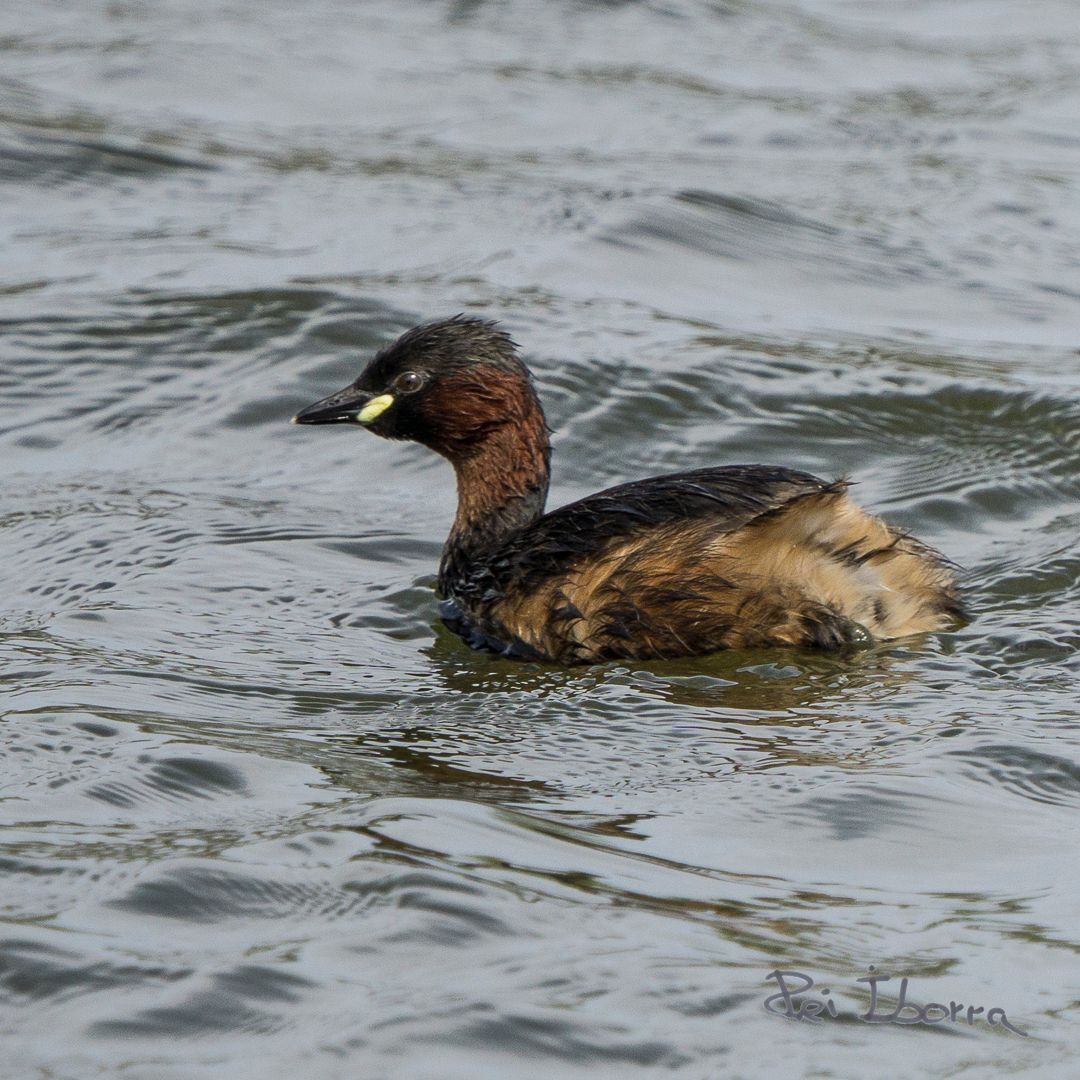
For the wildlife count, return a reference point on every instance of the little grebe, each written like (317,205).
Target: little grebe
(735,557)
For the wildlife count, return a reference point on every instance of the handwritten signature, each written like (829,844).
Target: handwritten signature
(793,986)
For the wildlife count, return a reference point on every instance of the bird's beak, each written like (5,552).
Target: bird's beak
(348,406)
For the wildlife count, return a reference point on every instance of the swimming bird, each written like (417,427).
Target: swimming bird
(738,556)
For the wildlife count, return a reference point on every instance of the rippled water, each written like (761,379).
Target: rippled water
(261,815)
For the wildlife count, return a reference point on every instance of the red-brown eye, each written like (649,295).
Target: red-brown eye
(408,382)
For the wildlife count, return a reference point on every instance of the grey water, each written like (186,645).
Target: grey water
(260,814)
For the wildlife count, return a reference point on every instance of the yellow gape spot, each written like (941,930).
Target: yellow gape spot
(375,407)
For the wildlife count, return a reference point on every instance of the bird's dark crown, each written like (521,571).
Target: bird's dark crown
(442,348)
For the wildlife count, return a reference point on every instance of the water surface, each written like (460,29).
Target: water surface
(261,815)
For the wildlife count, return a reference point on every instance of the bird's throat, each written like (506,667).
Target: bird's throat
(502,487)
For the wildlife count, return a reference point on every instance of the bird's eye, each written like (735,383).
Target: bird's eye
(408,382)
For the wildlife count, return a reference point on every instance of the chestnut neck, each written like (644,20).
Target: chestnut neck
(502,483)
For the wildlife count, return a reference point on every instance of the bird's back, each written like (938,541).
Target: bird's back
(735,557)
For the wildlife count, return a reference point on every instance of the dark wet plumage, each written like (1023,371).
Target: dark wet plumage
(737,556)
